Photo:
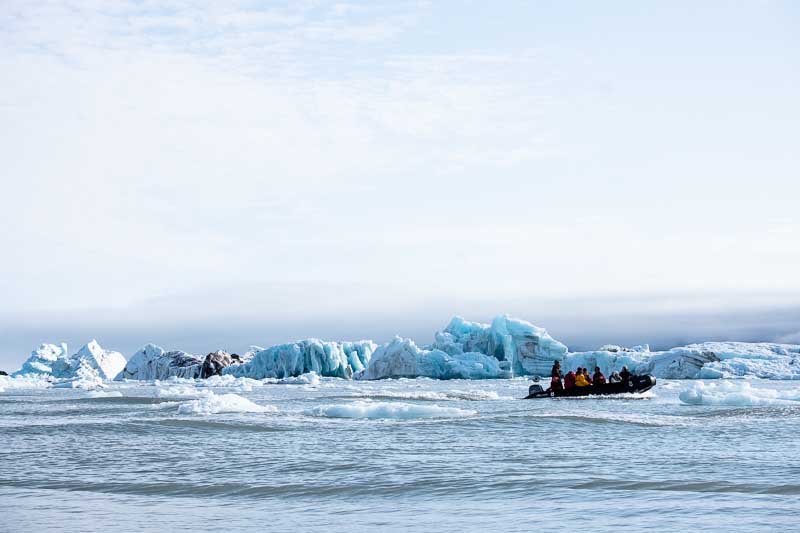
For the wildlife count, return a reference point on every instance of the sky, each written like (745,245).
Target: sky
(244,172)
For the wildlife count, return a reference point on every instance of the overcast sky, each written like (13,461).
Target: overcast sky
(254,172)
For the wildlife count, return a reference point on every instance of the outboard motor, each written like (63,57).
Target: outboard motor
(535,389)
(641,383)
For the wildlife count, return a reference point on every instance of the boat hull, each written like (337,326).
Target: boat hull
(635,384)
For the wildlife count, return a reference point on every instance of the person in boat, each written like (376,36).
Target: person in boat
(569,380)
(555,377)
(587,376)
(580,379)
(625,374)
(614,378)
(598,378)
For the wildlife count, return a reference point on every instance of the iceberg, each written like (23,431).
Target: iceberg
(330,359)
(91,363)
(521,347)
(507,347)
(401,358)
(154,363)
(708,360)
(42,359)
(757,359)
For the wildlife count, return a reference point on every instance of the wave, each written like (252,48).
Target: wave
(689,486)
(222,403)
(387,410)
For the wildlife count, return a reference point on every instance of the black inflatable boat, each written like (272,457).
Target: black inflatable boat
(633,384)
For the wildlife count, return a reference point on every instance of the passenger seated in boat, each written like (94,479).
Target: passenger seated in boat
(569,380)
(614,378)
(598,378)
(581,381)
(555,376)
(587,376)
(625,374)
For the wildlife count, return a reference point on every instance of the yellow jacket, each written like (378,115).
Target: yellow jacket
(580,381)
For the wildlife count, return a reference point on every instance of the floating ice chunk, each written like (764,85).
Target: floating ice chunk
(222,403)
(402,358)
(617,348)
(736,393)
(312,378)
(104,394)
(230,382)
(392,410)
(334,359)
(28,381)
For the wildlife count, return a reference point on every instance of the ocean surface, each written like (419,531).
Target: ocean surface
(398,455)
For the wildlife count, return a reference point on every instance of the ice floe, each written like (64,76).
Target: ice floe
(222,403)
(736,393)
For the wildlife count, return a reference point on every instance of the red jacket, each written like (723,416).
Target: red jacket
(569,380)
(599,378)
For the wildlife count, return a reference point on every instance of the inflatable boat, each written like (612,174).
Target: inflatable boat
(633,384)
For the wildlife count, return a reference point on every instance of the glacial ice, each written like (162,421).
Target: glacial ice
(153,362)
(330,359)
(521,347)
(90,364)
(402,358)
(463,350)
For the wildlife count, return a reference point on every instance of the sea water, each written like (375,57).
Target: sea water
(325,454)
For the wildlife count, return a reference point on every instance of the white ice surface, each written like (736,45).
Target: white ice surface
(222,403)
(736,394)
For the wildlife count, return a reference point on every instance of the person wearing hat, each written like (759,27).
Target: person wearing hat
(555,377)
